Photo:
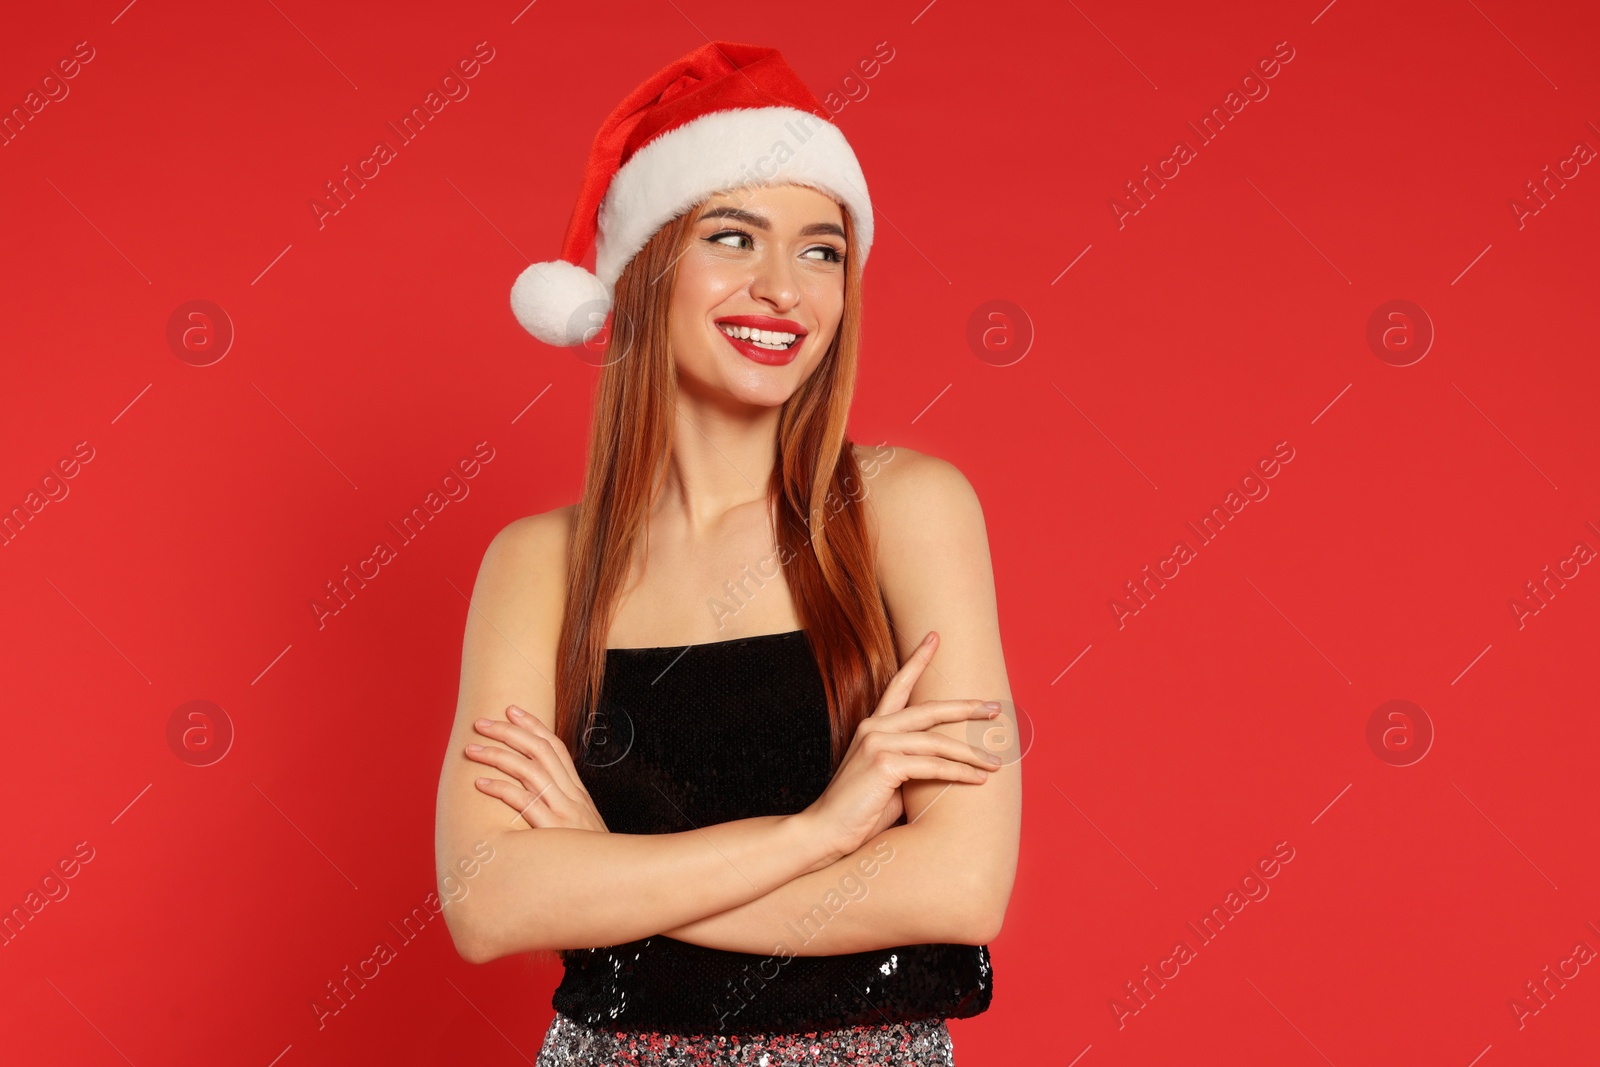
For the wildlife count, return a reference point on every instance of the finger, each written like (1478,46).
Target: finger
(898,691)
(510,733)
(530,806)
(534,725)
(935,744)
(529,737)
(530,773)
(932,712)
(905,768)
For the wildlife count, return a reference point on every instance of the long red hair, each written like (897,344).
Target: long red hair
(815,497)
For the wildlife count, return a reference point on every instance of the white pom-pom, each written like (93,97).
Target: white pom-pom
(560,303)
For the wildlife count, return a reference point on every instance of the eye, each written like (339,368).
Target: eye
(721,235)
(831,254)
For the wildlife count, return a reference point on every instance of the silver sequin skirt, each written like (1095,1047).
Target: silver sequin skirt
(923,1043)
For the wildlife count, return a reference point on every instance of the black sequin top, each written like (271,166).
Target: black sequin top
(692,736)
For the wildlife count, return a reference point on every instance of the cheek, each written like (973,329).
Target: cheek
(702,284)
(826,298)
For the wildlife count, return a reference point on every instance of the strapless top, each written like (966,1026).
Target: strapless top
(690,736)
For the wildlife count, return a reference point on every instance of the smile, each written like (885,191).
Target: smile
(762,339)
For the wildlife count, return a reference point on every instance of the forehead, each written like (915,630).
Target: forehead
(798,204)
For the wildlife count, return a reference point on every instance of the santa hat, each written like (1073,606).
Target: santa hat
(724,116)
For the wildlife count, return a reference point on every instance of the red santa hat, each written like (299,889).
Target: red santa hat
(725,116)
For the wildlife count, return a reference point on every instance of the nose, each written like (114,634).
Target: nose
(774,282)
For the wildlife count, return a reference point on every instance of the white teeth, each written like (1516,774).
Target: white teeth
(772,339)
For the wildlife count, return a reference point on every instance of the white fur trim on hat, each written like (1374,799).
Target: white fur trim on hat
(718,152)
(559,303)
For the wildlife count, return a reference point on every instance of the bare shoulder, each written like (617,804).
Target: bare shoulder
(521,588)
(507,657)
(907,489)
(540,538)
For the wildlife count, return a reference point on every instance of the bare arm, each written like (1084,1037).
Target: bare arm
(955,860)
(569,888)
(896,890)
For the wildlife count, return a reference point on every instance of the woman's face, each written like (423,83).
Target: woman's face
(769,258)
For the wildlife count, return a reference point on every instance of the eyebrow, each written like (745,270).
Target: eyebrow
(760,221)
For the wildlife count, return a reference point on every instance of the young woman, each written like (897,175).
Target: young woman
(735,728)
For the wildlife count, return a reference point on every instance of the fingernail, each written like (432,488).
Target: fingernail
(992,705)
(483,781)
(518,712)
(992,758)
(483,722)
(474,748)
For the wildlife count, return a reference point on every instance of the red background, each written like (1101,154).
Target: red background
(1229,314)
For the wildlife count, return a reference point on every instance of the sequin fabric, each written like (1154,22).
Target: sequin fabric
(696,735)
(925,1043)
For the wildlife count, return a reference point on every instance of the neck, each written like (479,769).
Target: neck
(722,460)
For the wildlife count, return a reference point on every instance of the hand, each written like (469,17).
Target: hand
(545,788)
(892,745)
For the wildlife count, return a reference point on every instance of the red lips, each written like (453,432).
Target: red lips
(769,356)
